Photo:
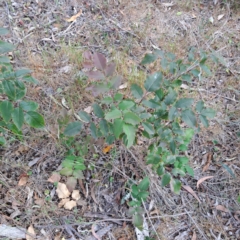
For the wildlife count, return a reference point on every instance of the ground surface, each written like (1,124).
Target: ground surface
(124,31)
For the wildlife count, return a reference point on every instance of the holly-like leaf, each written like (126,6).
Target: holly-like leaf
(6,47)
(9,89)
(132,118)
(104,127)
(18,117)
(199,106)
(130,132)
(99,61)
(138,221)
(28,105)
(204,120)
(208,112)
(73,128)
(117,127)
(176,186)
(189,118)
(113,114)
(144,184)
(153,82)
(148,128)
(149,58)
(98,110)
(6,109)
(93,130)
(184,103)
(171,97)
(136,91)
(126,104)
(84,117)
(166,178)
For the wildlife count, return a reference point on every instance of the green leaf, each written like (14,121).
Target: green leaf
(84,116)
(148,128)
(115,113)
(151,104)
(145,115)
(28,105)
(159,94)
(199,106)
(189,170)
(79,166)
(18,117)
(136,91)
(195,72)
(2,140)
(73,129)
(189,118)
(184,103)
(126,104)
(204,120)
(238,199)
(22,72)
(104,127)
(144,184)
(186,77)
(171,97)
(34,119)
(66,171)
(208,112)
(172,113)
(149,58)
(176,186)
(30,79)
(138,221)
(153,82)
(3,31)
(130,132)
(107,100)
(6,47)
(173,146)
(132,118)
(110,139)
(98,110)
(6,109)
(9,89)
(93,130)
(166,178)
(78,174)
(117,127)
(118,97)
(4,59)
(143,195)
(160,170)
(206,69)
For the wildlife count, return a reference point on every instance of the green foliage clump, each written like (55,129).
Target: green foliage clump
(14,110)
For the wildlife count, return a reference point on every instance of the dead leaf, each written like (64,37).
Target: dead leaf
(23,179)
(64,103)
(71,183)
(63,202)
(93,194)
(76,195)
(94,233)
(74,17)
(88,109)
(54,178)
(82,187)
(62,190)
(222,208)
(123,86)
(208,162)
(107,149)
(194,236)
(70,205)
(220,17)
(32,232)
(190,190)
(202,180)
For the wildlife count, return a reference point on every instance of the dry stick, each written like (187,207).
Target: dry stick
(199,229)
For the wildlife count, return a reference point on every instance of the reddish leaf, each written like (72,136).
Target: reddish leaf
(71,183)
(88,65)
(99,61)
(208,162)
(87,55)
(222,208)
(96,75)
(189,189)
(23,179)
(202,180)
(110,69)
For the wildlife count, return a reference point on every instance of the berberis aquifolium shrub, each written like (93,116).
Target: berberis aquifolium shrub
(14,110)
(155,111)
